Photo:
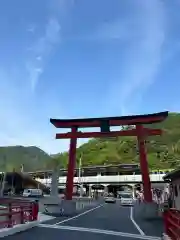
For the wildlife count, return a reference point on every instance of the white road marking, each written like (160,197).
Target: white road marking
(79,215)
(43,217)
(99,231)
(135,224)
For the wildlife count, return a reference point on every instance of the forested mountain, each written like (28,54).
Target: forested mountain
(163,151)
(32,158)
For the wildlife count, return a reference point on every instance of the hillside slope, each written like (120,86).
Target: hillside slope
(163,151)
(32,158)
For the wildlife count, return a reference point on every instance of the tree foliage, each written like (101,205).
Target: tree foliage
(32,158)
(162,151)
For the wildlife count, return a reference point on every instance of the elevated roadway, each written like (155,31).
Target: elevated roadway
(107,179)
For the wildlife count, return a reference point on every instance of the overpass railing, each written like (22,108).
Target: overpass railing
(107,179)
(17,211)
(172,224)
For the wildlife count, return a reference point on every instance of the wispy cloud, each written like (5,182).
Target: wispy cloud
(62,7)
(25,120)
(145,32)
(19,125)
(41,50)
(106,31)
(31,28)
(19,118)
(44,45)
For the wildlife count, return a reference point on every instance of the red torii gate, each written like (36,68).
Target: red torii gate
(104,123)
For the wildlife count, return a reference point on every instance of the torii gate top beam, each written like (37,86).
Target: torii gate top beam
(112,121)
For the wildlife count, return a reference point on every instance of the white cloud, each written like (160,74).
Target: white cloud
(116,30)
(31,28)
(19,127)
(39,58)
(61,7)
(41,50)
(145,32)
(18,124)
(34,74)
(21,123)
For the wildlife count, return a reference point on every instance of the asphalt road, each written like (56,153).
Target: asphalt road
(155,227)
(108,217)
(104,222)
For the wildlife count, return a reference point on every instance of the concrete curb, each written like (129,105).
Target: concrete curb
(17,228)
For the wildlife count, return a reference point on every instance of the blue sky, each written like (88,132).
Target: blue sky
(77,58)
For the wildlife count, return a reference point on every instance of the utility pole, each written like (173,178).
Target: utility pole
(79,174)
(3,181)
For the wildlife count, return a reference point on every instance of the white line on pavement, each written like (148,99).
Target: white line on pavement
(99,231)
(135,224)
(79,215)
(43,217)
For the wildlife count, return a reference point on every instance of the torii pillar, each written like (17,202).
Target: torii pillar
(144,164)
(71,165)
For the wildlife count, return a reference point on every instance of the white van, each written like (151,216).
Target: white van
(126,199)
(32,193)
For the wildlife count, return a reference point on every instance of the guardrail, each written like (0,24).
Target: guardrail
(172,224)
(17,211)
(107,179)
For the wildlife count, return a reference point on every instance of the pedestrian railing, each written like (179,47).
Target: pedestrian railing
(17,211)
(172,224)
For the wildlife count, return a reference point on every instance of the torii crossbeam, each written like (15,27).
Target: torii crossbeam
(104,124)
